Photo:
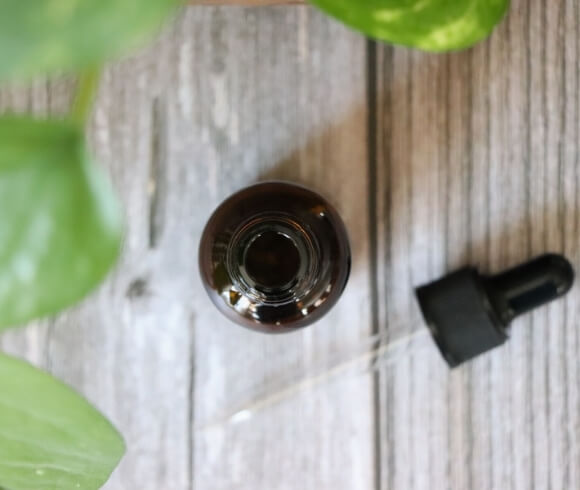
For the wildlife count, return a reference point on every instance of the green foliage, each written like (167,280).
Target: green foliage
(60,226)
(44,36)
(60,231)
(50,437)
(431,25)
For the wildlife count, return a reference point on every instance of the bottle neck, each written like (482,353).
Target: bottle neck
(273,260)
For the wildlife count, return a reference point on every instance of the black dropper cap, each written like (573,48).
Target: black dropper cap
(469,314)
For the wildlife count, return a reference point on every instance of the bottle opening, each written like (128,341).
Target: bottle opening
(272,261)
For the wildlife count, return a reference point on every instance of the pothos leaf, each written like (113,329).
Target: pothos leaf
(50,437)
(431,25)
(60,225)
(43,36)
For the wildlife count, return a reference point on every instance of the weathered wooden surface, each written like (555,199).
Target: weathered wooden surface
(477,162)
(434,161)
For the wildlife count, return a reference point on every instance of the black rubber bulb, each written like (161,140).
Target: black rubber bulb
(469,314)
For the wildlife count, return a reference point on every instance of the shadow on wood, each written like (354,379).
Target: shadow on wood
(304,167)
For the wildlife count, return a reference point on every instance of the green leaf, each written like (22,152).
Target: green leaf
(44,36)
(430,25)
(50,437)
(60,225)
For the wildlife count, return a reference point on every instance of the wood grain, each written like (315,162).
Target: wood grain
(258,116)
(218,103)
(477,163)
(435,161)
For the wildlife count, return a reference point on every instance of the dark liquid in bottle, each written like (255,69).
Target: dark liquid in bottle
(272,260)
(275,257)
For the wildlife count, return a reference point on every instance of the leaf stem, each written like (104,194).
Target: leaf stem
(88,84)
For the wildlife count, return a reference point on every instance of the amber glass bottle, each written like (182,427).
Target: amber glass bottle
(274,257)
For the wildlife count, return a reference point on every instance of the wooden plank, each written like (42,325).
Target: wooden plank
(224,99)
(477,163)
(128,346)
(282,96)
